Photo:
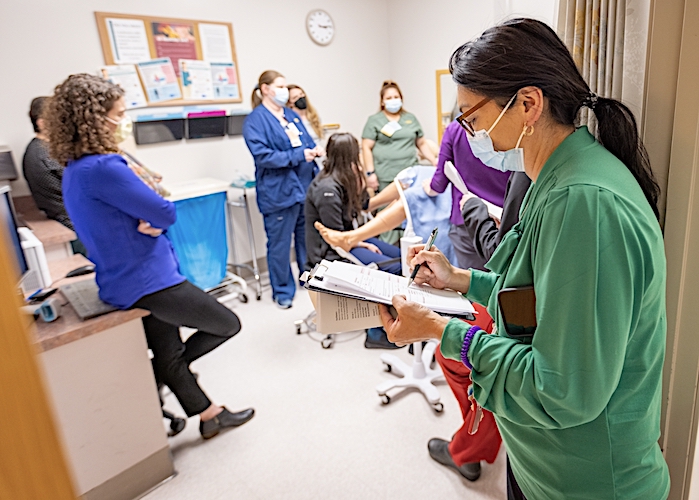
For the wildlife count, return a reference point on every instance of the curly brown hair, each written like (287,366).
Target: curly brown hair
(75,117)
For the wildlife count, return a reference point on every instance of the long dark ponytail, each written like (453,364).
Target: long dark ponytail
(525,52)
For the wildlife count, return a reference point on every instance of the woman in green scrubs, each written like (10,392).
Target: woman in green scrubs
(391,138)
(578,402)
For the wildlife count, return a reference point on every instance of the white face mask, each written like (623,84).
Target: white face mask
(124,128)
(280,96)
(504,161)
(393,105)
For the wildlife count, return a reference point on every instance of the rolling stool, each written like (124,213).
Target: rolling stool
(420,375)
(242,202)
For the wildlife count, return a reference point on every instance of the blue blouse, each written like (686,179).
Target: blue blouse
(105,201)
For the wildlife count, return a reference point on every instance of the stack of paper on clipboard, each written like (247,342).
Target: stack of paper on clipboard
(348,295)
(455,178)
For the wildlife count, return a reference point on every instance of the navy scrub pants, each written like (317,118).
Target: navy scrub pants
(280,226)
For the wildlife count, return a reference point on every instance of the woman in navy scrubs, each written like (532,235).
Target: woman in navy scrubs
(284,168)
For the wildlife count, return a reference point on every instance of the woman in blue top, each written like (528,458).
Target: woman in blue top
(284,168)
(121,221)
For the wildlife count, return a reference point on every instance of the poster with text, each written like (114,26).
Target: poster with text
(175,41)
(215,43)
(225,81)
(196,79)
(128,40)
(159,78)
(126,77)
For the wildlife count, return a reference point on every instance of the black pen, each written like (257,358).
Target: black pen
(428,247)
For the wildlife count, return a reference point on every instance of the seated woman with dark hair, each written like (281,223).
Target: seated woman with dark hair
(336,199)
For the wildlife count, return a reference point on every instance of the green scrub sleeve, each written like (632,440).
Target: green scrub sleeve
(481,287)
(370,129)
(588,276)
(453,339)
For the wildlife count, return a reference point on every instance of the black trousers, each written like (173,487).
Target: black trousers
(513,490)
(184,305)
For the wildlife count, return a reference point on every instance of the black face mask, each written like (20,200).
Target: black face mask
(301,103)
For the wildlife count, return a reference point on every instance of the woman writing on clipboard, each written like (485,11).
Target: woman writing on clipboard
(578,402)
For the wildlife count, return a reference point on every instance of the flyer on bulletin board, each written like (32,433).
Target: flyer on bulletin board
(174,40)
(126,76)
(196,79)
(128,40)
(225,80)
(158,76)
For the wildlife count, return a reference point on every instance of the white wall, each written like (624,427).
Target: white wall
(422,36)
(43,41)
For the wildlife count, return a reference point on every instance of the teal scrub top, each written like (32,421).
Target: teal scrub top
(578,406)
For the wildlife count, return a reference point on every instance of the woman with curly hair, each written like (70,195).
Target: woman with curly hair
(121,220)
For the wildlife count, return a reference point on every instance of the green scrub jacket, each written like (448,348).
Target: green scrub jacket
(578,406)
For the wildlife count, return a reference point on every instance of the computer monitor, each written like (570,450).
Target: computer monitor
(9,220)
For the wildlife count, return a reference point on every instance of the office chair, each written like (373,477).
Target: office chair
(176,424)
(420,375)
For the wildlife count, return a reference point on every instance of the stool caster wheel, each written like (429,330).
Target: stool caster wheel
(298,325)
(327,342)
(388,368)
(176,426)
(243,298)
(385,399)
(259,296)
(438,407)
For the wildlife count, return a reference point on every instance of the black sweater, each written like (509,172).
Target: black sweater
(486,235)
(327,202)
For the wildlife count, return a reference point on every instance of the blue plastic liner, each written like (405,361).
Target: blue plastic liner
(199,239)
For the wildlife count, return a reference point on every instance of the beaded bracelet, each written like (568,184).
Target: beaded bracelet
(467,344)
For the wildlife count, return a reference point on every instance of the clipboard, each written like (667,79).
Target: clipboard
(315,282)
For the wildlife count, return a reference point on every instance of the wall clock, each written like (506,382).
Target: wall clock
(320,27)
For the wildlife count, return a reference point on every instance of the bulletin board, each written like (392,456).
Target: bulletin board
(129,39)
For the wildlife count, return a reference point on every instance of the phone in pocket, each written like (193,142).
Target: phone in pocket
(518,310)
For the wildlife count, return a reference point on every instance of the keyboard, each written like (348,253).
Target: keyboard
(84,297)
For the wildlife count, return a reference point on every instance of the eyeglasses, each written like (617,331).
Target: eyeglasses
(462,118)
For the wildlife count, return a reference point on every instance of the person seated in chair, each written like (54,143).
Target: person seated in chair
(336,198)
(44,175)
(423,211)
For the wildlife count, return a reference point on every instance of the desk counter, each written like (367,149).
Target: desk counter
(106,406)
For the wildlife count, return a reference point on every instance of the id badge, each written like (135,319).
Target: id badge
(391,128)
(294,134)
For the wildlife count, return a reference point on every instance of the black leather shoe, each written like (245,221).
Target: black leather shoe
(224,420)
(439,451)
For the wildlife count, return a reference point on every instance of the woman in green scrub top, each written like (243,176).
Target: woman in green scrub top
(578,400)
(391,138)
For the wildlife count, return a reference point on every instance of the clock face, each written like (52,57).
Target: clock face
(320,27)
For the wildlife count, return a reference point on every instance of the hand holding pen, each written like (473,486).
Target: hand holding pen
(428,247)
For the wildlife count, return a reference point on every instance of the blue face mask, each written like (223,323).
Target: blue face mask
(281,96)
(482,147)
(393,105)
